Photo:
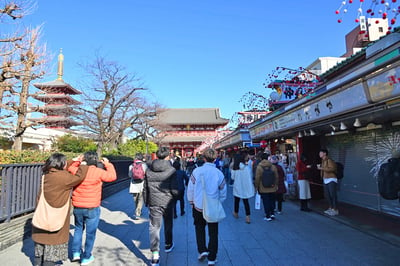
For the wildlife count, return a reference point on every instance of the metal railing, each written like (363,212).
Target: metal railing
(19,188)
(19,185)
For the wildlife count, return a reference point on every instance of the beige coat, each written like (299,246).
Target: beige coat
(328,168)
(259,171)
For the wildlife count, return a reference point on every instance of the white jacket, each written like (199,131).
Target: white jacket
(136,187)
(243,186)
(214,185)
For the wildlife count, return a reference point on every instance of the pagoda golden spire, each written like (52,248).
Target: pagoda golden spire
(60,69)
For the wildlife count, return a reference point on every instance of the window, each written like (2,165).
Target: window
(380,29)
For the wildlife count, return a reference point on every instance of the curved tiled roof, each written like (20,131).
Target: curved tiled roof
(192,116)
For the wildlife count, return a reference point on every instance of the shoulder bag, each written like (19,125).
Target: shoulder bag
(213,211)
(47,217)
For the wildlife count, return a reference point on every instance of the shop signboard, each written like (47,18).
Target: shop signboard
(344,101)
(385,85)
(261,130)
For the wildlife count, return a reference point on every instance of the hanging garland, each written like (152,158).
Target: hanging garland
(385,9)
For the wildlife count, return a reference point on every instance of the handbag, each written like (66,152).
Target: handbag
(257,202)
(213,211)
(47,217)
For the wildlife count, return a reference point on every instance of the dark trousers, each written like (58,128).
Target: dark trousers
(279,200)
(268,200)
(156,214)
(332,194)
(246,205)
(181,199)
(200,227)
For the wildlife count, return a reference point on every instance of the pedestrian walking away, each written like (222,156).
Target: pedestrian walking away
(267,193)
(182,180)
(215,187)
(243,187)
(281,184)
(160,192)
(137,172)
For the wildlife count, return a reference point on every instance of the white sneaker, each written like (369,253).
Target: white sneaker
(328,211)
(334,212)
(202,256)
(212,262)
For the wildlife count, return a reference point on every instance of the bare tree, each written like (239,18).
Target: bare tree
(21,57)
(114,103)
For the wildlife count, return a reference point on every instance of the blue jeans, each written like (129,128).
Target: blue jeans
(85,218)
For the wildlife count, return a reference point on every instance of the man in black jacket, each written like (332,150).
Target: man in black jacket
(160,189)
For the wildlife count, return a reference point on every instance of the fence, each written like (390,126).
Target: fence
(19,185)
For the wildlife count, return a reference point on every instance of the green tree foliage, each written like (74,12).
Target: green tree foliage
(133,146)
(69,143)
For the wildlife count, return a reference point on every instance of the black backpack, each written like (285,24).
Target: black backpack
(389,179)
(339,170)
(268,178)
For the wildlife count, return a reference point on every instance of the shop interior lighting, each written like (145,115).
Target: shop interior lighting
(300,135)
(312,132)
(332,132)
(333,127)
(357,123)
(342,126)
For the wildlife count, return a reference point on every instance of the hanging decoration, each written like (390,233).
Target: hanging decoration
(289,84)
(385,9)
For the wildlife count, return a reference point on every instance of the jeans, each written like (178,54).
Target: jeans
(181,198)
(331,187)
(88,219)
(227,174)
(138,198)
(269,203)
(156,214)
(246,205)
(200,227)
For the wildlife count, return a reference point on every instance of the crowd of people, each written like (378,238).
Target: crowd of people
(159,184)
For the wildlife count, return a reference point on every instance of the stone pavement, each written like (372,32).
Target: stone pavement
(294,238)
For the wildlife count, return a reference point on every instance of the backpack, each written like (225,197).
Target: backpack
(137,171)
(268,178)
(339,170)
(389,179)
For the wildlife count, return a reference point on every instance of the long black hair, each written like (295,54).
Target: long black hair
(237,159)
(56,161)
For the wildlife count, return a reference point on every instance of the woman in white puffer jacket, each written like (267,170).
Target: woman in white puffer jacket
(243,187)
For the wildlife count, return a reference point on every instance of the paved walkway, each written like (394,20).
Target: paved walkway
(294,238)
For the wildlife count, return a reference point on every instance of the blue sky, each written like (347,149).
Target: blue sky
(204,53)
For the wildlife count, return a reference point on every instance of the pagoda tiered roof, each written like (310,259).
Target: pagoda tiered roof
(58,102)
(56,98)
(55,121)
(57,86)
(191,116)
(57,109)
